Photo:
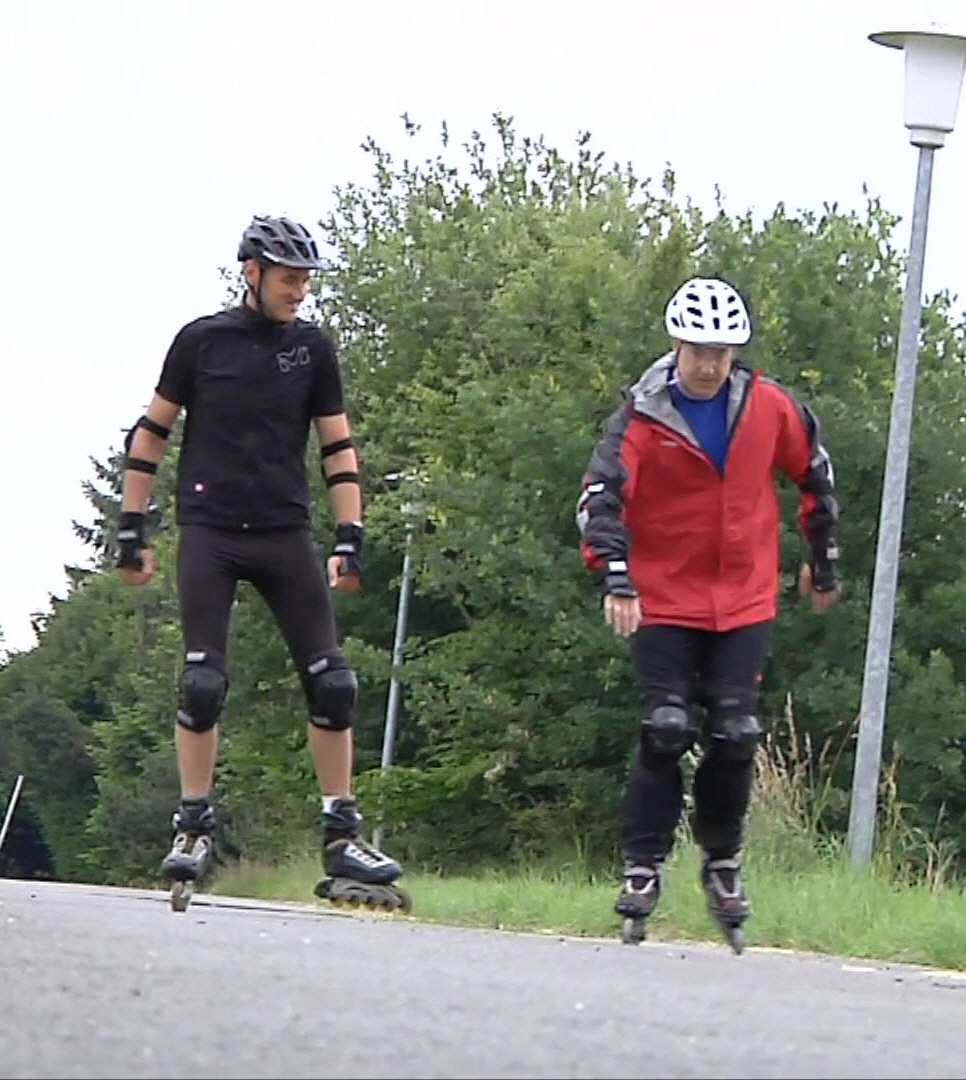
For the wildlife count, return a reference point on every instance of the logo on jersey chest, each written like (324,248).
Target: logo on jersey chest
(293,358)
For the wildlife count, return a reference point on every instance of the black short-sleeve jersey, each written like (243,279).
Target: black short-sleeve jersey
(250,388)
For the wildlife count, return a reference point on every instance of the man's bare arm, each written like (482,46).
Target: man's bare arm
(145,452)
(340,466)
(144,449)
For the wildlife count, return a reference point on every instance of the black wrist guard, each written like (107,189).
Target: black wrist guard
(825,574)
(348,547)
(613,579)
(130,540)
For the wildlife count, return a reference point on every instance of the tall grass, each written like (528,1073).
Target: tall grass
(793,794)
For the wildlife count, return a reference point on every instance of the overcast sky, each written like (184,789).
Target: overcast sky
(137,139)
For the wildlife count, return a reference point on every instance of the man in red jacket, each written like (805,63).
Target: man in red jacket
(679,522)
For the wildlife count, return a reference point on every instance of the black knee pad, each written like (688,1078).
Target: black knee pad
(669,731)
(203,691)
(331,688)
(734,732)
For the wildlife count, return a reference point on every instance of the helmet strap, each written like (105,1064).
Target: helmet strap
(256,294)
(258,289)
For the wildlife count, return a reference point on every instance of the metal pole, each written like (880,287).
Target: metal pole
(392,703)
(868,755)
(11,806)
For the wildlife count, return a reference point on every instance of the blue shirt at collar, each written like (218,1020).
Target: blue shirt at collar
(707,417)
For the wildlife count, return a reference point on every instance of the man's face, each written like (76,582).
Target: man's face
(283,289)
(703,369)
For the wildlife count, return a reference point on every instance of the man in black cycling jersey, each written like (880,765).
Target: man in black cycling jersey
(252,380)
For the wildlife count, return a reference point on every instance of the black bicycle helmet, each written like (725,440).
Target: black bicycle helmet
(279,242)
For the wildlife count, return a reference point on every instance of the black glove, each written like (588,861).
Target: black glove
(130,540)
(825,574)
(348,546)
(613,579)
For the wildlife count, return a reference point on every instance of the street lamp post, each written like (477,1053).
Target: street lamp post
(11,807)
(412,511)
(935,58)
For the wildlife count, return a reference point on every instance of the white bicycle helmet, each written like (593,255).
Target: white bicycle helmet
(708,311)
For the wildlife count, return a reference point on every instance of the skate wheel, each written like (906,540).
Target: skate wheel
(181,895)
(736,939)
(633,931)
(387,901)
(353,895)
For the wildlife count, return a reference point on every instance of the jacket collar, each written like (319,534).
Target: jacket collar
(650,396)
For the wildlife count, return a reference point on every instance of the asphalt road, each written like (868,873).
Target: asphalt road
(112,983)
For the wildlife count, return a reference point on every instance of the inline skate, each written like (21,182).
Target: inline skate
(727,901)
(357,874)
(638,898)
(190,855)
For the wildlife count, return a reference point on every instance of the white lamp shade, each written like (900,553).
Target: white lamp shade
(935,64)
